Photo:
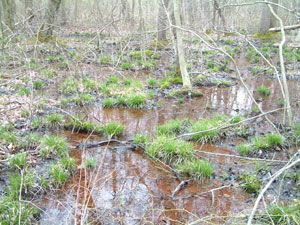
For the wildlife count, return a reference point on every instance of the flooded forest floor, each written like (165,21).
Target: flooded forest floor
(101,132)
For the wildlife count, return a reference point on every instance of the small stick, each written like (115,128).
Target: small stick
(180,186)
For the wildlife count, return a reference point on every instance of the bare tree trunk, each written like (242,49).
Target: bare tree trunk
(132,11)
(162,20)
(220,13)
(180,49)
(53,6)
(141,19)
(29,10)
(9,11)
(63,12)
(267,20)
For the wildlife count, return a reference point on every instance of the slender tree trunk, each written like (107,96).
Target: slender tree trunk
(132,11)
(162,20)
(9,11)
(53,6)
(63,12)
(180,49)
(141,19)
(29,10)
(267,20)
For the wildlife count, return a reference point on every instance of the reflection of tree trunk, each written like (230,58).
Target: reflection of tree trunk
(180,49)
(9,11)
(162,20)
(52,9)
(267,20)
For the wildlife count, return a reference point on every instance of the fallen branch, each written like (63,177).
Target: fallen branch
(202,193)
(291,27)
(242,157)
(96,144)
(182,184)
(230,125)
(261,194)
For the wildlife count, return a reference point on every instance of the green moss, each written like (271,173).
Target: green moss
(267,36)
(223,83)
(127,66)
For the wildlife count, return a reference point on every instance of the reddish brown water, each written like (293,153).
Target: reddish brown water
(128,188)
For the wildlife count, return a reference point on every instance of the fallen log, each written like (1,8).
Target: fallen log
(290,27)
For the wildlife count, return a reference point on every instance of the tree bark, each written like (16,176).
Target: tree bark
(9,11)
(162,20)
(180,49)
(267,20)
(141,19)
(53,6)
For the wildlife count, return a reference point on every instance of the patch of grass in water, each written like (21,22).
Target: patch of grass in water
(113,129)
(169,150)
(208,124)
(264,90)
(140,139)
(136,101)
(169,128)
(196,168)
(244,149)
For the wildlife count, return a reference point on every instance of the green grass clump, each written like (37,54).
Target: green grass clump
(260,143)
(83,99)
(58,174)
(90,163)
(105,60)
(127,82)
(113,129)
(68,163)
(152,82)
(164,85)
(207,124)
(147,64)
(222,83)
(244,149)
(136,101)
(127,66)
(169,128)
(140,139)
(236,119)
(263,90)
(285,214)
(38,85)
(89,84)
(197,168)
(250,184)
(55,119)
(108,103)
(113,80)
(274,140)
(70,86)
(169,150)
(18,160)
(53,145)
